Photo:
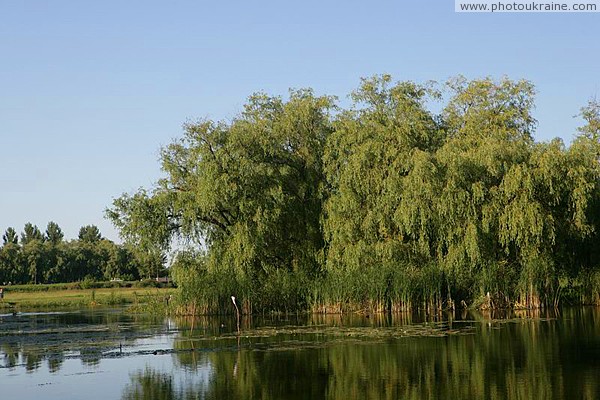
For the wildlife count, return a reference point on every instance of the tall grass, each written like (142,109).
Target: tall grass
(393,288)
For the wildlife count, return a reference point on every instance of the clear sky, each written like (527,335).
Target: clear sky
(90,90)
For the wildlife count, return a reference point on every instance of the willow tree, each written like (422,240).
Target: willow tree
(250,191)
(489,133)
(383,205)
(591,114)
(580,241)
(462,205)
(548,217)
(511,210)
(369,159)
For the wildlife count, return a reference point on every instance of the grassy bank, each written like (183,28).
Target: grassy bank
(22,298)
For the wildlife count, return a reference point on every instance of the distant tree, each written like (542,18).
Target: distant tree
(48,258)
(150,264)
(54,251)
(53,233)
(591,115)
(90,234)
(10,236)
(31,232)
(34,258)
(56,260)
(10,258)
(119,262)
(9,263)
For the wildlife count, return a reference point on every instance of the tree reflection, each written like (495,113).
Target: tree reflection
(55,362)
(518,355)
(150,384)
(514,357)
(33,360)
(31,340)
(11,354)
(90,356)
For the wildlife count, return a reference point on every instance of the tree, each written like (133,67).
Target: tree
(31,232)
(54,234)
(251,190)
(120,262)
(482,163)
(378,146)
(34,257)
(150,264)
(10,263)
(89,234)
(591,114)
(10,236)
(383,205)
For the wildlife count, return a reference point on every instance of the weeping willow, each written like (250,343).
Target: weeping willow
(299,204)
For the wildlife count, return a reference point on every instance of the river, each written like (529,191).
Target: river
(112,354)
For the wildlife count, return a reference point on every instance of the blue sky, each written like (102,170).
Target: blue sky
(90,91)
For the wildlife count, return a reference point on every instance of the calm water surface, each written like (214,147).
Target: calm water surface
(111,354)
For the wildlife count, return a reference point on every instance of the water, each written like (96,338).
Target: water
(110,354)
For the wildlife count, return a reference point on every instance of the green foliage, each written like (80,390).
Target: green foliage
(50,259)
(146,283)
(89,234)
(374,156)
(591,115)
(143,220)
(298,204)
(54,234)
(252,190)
(149,264)
(10,236)
(31,232)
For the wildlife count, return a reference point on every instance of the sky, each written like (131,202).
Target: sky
(91,90)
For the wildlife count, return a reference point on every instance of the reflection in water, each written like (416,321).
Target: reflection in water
(55,362)
(28,339)
(475,356)
(516,358)
(150,384)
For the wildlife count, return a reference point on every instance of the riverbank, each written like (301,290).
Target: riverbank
(44,298)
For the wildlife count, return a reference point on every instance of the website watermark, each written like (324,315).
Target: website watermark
(511,6)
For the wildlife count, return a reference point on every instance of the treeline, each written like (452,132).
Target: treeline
(45,257)
(387,205)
